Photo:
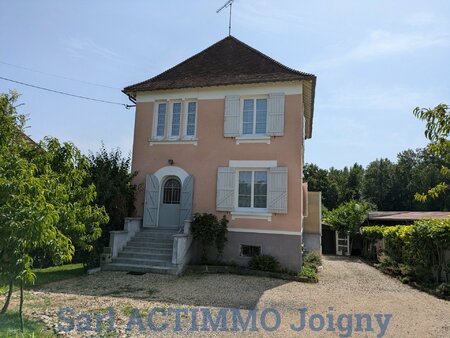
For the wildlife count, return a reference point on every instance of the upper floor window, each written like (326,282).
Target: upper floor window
(254,117)
(176,118)
(191,118)
(161,123)
(175,121)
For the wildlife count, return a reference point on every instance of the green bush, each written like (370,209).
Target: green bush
(312,258)
(207,229)
(416,251)
(264,263)
(308,274)
(443,289)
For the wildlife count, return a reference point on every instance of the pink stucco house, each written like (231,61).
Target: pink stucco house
(222,132)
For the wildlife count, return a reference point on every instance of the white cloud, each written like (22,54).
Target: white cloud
(381,43)
(83,47)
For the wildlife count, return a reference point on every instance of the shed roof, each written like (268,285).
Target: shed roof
(407,215)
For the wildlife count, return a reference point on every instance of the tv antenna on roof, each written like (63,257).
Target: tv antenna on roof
(229,3)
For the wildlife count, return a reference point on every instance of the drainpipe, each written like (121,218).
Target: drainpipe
(132,99)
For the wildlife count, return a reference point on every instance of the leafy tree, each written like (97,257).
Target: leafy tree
(437,130)
(44,202)
(353,188)
(318,180)
(378,183)
(110,173)
(348,217)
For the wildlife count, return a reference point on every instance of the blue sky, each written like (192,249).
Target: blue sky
(375,61)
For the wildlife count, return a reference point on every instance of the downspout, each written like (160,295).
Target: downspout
(132,99)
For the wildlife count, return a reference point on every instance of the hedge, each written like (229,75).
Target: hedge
(419,249)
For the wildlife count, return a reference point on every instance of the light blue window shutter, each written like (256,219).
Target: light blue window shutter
(278,190)
(275,114)
(225,189)
(151,201)
(232,117)
(186,199)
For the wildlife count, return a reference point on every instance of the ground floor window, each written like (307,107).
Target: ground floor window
(250,250)
(252,190)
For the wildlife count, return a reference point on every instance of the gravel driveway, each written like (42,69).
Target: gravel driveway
(347,289)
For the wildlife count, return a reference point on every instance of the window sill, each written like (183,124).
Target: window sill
(173,141)
(253,139)
(251,215)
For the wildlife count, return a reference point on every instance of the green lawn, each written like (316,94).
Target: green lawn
(9,322)
(48,275)
(10,327)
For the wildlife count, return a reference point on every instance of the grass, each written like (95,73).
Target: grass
(9,322)
(47,275)
(10,327)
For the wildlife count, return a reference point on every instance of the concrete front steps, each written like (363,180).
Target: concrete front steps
(150,250)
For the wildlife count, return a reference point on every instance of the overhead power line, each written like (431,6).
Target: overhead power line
(58,76)
(68,94)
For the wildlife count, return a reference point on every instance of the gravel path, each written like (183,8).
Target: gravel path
(347,288)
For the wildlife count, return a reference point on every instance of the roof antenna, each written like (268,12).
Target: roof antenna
(229,3)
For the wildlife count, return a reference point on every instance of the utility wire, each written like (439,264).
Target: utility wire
(58,76)
(68,94)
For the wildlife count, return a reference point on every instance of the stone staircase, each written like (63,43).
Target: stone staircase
(149,250)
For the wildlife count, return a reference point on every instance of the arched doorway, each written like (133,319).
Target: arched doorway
(169,209)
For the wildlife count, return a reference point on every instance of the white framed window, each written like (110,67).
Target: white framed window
(191,119)
(254,116)
(252,189)
(175,121)
(161,120)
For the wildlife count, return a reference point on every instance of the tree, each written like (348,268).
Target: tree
(437,130)
(353,189)
(111,174)
(44,201)
(318,180)
(378,182)
(348,217)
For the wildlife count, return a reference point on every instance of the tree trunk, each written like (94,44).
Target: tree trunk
(21,305)
(8,297)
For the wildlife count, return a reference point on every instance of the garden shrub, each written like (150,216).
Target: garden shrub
(312,258)
(308,274)
(443,289)
(264,263)
(207,229)
(414,251)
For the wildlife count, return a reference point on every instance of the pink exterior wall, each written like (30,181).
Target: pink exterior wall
(214,150)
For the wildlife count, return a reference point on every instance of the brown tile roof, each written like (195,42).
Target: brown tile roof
(229,62)
(406,215)
(226,62)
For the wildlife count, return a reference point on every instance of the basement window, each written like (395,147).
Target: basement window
(250,250)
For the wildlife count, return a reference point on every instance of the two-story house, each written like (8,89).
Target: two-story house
(222,132)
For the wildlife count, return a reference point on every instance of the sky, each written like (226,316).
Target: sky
(375,61)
